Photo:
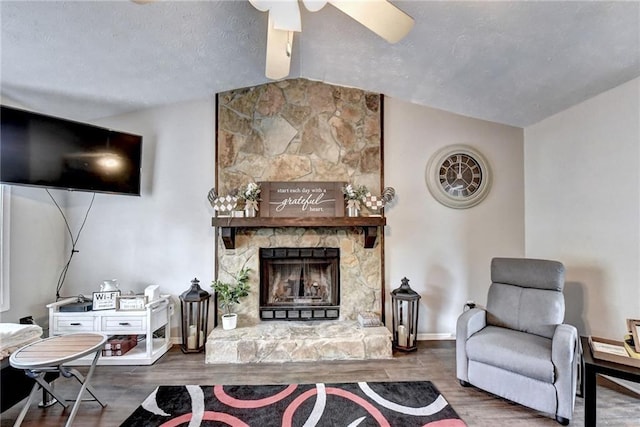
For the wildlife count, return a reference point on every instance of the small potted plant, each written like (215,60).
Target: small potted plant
(229,295)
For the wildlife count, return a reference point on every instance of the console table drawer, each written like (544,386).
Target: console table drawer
(69,324)
(120,324)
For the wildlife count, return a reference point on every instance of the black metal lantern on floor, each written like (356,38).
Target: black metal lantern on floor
(404,301)
(194,307)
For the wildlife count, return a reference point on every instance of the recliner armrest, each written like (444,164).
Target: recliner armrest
(563,345)
(469,322)
(564,354)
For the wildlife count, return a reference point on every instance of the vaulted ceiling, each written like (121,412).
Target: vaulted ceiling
(512,62)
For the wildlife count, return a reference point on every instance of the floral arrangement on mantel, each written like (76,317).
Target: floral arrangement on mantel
(354,195)
(251,195)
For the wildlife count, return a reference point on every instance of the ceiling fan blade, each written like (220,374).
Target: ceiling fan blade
(279,46)
(285,14)
(314,5)
(379,16)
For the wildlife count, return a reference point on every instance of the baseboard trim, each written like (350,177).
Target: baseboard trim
(435,337)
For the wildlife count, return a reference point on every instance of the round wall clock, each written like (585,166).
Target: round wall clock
(458,176)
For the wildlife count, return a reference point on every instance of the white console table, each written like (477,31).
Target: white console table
(156,315)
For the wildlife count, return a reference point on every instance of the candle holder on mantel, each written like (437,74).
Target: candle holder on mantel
(404,302)
(194,308)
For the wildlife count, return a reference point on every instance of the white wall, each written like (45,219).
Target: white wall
(163,237)
(583,206)
(445,253)
(37,252)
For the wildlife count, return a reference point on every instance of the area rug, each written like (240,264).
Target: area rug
(405,404)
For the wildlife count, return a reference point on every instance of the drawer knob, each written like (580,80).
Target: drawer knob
(125,324)
(75,324)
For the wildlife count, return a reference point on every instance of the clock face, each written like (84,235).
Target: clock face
(458,176)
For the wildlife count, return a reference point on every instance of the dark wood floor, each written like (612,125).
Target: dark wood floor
(125,387)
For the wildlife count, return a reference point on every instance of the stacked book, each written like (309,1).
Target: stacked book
(119,344)
(369,319)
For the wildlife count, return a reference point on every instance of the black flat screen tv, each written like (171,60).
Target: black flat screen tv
(45,151)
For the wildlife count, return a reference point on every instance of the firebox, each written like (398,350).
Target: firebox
(299,283)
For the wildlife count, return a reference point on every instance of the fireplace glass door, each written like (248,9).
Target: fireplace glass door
(299,283)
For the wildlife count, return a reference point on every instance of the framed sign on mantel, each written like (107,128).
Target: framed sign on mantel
(301,199)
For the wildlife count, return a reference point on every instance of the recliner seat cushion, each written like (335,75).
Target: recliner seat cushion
(514,351)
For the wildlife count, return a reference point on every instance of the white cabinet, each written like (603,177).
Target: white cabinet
(147,322)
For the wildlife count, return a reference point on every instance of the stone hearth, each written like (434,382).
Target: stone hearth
(285,341)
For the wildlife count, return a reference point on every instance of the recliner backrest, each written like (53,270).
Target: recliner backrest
(526,295)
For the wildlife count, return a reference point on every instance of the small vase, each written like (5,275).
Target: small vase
(250,211)
(353,211)
(229,321)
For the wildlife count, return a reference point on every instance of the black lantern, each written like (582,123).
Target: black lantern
(194,306)
(404,301)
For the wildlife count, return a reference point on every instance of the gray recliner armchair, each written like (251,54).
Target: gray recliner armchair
(518,347)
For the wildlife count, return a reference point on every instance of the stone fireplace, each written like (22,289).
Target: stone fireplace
(299,283)
(287,131)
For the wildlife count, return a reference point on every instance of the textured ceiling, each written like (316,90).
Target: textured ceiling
(511,62)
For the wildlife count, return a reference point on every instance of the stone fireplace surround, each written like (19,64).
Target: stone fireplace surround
(297,130)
